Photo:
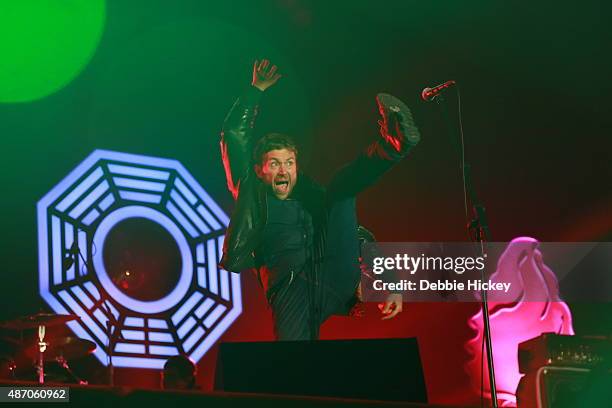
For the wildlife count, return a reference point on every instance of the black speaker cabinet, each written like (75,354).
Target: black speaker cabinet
(385,369)
(565,387)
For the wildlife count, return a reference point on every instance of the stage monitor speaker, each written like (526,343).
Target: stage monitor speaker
(382,369)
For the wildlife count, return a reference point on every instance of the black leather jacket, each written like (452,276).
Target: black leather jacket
(249,216)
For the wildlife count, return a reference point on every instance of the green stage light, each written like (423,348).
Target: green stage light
(45,44)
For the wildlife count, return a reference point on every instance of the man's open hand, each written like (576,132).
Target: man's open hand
(264,74)
(392,306)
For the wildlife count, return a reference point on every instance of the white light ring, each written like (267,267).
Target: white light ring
(184,283)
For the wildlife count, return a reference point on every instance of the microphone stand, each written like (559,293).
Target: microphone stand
(109,325)
(479,232)
(42,347)
(109,345)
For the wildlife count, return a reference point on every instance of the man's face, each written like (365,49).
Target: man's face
(279,170)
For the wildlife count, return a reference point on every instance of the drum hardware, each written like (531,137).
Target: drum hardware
(43,349)
(36,320)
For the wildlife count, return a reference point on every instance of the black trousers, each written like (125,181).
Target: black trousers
(301,302)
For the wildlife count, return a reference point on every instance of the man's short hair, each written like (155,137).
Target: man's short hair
(273,141)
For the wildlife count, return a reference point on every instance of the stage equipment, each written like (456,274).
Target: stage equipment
(381,369)
(429,94)
(478,226)
(64,347)
(40,321)
(41,348)
(565,371)
(36,320)
(565,387)
(552,349)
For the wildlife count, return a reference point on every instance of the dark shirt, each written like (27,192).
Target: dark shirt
(286,245)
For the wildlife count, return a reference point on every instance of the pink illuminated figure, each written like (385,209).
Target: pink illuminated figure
(531,307)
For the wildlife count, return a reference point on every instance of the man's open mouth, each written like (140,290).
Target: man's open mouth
(281,185)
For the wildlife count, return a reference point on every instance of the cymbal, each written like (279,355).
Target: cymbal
(66,347)
(35,320)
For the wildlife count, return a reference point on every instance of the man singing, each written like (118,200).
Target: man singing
(299,236)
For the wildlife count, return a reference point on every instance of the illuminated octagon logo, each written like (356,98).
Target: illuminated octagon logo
(77,224)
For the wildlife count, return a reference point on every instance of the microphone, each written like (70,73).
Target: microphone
(74,248)
(429,94)
(72,253)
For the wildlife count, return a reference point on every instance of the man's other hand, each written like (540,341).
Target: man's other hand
(264,74)
(392,306)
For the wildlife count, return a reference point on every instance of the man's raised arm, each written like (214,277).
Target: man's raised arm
(236,135)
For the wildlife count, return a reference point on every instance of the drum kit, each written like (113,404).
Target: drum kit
(27,356)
